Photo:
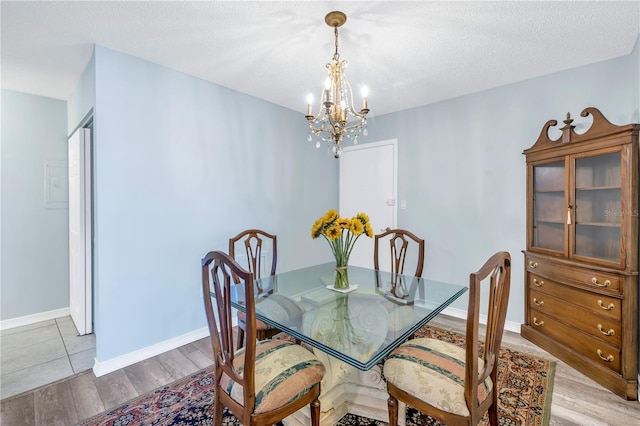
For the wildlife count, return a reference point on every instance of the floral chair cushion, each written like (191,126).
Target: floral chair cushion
(284,371)
(433,371)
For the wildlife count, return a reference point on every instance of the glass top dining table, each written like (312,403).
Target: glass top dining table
(359,327)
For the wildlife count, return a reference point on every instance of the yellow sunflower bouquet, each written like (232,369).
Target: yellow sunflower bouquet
(341,233)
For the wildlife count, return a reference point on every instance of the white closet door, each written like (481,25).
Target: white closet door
(80,288)
(368,183)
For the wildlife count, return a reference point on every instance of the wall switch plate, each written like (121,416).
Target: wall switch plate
(403,204)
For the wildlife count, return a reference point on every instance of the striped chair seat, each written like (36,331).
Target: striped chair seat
(433,371)
(283,371)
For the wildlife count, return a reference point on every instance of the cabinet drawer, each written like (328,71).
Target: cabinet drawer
(589,346)
(599,326)
(601,305)
(586,278)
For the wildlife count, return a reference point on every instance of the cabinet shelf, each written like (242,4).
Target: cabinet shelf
(550,221)
(599,224)
(546,191)
(597,188)
(561,222)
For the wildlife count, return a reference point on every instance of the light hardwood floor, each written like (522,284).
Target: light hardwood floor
(576,400)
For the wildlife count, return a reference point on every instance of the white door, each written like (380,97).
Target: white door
(80,283)
(368,183)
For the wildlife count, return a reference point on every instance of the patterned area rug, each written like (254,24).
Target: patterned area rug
(525,383)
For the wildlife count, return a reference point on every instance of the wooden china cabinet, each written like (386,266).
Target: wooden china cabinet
(581,261)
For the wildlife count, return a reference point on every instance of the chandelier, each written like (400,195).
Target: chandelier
(336,117)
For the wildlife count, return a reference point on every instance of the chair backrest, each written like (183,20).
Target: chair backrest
(496,274)
(253,240)
(399,242)
(219,271)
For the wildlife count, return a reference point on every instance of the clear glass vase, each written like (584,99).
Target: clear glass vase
(342,277)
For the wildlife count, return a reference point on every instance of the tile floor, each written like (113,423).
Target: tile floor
(42,353)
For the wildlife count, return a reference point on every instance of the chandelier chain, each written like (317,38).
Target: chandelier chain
(336,56)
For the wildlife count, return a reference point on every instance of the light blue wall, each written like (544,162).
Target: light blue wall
(462,171)
(35,263)
(182,165)
(83,97)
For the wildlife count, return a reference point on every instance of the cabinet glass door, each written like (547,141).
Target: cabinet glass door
(549,206)
(598,206)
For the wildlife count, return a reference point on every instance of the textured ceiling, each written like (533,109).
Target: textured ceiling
(407,53)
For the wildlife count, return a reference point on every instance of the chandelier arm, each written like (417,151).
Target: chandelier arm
(353,111)
(322,118)
(359,114)
(356,126)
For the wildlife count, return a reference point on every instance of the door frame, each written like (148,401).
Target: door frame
(81,293)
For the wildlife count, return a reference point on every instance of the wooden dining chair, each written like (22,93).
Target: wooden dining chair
(265,381)
(399,242)
(452,384)
(252,240)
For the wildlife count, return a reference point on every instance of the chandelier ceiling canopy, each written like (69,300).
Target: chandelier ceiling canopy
(336,118)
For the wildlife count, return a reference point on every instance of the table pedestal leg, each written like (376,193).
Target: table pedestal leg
(345,389)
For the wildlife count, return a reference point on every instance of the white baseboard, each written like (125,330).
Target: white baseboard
(34,318)
(459,313)
(113,364)
(455,312)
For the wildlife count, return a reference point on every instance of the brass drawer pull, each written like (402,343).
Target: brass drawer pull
(611,332)
(607,359)
(538,302)
(536,323)
(533,264)
(538,283)
(606,283)
(606,308)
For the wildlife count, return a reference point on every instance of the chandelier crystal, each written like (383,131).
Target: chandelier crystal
(336,117)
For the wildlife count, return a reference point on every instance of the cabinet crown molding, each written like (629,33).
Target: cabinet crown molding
(599,127)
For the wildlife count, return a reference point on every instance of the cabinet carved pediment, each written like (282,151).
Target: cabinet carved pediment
(600,126)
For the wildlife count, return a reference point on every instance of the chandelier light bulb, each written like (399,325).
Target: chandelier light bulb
(309,103)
